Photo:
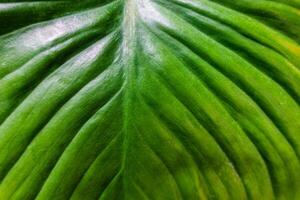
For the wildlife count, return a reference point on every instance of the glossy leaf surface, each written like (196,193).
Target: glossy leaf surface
(150,99)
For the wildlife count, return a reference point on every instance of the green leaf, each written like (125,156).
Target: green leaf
(150,99)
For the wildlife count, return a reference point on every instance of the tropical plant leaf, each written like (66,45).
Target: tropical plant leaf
(150,99)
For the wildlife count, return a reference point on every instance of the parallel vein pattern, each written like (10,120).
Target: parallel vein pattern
(150,100)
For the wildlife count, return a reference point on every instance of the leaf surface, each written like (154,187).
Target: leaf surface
(150,99)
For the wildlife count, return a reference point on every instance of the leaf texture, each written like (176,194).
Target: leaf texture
(150,100)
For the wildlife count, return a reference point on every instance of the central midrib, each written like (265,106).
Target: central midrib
(128,55)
